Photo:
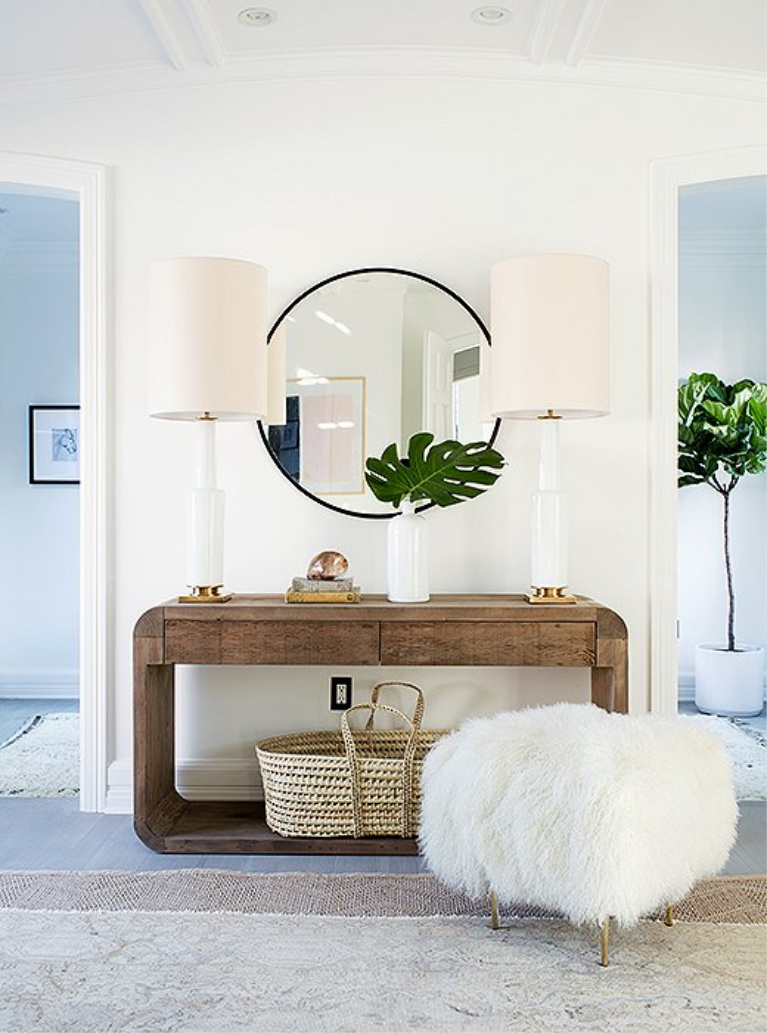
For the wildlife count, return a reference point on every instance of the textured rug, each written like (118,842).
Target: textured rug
(733,900)
(176,969)
(43,758)
(747,747)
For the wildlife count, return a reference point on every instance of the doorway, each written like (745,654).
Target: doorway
(722,314)
(87,184)
(39,483)
(667,178)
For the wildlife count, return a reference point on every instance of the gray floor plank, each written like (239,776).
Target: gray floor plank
(54,834)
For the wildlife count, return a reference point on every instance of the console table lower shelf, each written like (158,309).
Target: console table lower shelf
(181,826)
(449,631)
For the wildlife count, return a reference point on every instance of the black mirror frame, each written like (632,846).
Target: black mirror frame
(286,312)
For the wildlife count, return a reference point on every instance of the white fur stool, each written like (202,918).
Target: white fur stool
(568,807)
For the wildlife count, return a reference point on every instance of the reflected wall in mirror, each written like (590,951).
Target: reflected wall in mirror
(373,356)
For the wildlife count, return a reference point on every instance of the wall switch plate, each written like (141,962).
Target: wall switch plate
(341,693)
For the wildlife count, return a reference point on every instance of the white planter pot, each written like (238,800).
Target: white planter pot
(729,683)
(407,565)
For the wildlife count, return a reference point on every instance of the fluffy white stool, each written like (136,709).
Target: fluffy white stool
(568,807)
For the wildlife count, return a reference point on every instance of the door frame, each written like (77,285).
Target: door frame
(89,184)
(667,175)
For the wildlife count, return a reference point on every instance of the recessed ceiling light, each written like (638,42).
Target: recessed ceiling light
(490,15)
(256,17)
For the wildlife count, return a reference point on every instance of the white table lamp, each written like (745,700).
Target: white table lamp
(208,362)
(550,338)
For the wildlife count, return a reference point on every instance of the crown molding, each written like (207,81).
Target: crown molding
(384,63)
(745,249)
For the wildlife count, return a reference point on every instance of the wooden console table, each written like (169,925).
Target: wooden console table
(448,631)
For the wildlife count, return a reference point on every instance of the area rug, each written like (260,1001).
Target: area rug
(731,899)
(221,971)
(747,747)
(43,758)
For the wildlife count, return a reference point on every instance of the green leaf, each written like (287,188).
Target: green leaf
(445,473)
(722,428)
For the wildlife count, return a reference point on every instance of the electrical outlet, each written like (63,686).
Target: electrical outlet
(341,693)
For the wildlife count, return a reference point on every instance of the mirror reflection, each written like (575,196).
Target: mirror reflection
(373,356)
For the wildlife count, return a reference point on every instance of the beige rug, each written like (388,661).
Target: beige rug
(730,900)
(154,965)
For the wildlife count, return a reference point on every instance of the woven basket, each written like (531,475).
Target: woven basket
(348,783)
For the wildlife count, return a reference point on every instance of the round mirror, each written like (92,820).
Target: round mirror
(373,356)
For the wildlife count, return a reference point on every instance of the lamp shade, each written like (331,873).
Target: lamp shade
(277,364)
(208,322)
(549,325)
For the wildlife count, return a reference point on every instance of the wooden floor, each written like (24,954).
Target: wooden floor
(53,834)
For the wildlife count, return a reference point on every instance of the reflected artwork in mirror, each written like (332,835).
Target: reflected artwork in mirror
(373,356)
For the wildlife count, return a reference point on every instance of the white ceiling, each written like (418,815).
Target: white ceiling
(81,46)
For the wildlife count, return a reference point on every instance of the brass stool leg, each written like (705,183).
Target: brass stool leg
(669,919)
(604,941)
(494,923)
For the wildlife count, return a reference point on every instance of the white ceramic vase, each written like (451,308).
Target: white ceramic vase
(407,560)
(729,682)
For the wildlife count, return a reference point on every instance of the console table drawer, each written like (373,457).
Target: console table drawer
(271,642)
(491,644)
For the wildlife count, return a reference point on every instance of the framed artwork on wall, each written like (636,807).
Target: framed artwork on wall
(54,444)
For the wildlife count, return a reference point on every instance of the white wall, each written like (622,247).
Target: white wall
(38,365)
(452,176)
(722,329)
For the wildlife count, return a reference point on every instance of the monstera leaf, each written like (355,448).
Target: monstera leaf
(446,473)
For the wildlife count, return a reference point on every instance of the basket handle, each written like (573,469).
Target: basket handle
(354,768)
(417,717)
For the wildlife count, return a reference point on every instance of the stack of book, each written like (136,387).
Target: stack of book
(314,590)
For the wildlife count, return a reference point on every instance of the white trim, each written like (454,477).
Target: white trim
(195,779)
(736,250)
(119,795)
(88,183)
(544,30)
(383,63)
(206,30)
(585,31)
(666,177)
(39,683)
(165,34)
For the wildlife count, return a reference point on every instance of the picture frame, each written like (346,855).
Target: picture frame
(331,429)
(54,444)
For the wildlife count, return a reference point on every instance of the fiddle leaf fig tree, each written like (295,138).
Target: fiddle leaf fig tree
(446,473)
(722,437)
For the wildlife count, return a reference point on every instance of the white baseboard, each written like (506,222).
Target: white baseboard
(39,683)
(195,780)
(119,795)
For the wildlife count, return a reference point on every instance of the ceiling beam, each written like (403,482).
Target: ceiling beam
(205,27)
(161,24)
(584,31)
(544,30)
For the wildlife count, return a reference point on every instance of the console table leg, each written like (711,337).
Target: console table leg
(154,773)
